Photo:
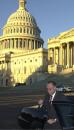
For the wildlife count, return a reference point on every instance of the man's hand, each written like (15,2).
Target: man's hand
(40,102)
(51,121)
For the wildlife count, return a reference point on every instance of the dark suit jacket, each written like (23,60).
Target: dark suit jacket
(47,106)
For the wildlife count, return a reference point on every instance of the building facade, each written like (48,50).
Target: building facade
(61,53)
(22,56)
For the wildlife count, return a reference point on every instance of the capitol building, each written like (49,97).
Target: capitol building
(61,53)
(22,56)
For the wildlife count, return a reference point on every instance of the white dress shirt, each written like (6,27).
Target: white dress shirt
(53,96)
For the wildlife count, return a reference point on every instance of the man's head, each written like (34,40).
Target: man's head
(51,87)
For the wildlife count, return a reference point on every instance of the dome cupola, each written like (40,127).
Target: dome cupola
(21,25)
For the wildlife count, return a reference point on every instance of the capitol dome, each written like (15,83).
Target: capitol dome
(22,26)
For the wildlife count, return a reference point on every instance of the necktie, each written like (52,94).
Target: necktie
(50,100)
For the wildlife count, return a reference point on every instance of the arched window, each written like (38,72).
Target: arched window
(30,60)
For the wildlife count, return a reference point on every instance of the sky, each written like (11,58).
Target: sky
(52,16)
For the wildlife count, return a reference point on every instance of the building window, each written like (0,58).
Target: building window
(30,60)
(20,30)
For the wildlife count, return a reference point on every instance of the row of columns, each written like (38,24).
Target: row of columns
(62,55)
(21,43)
(53,55)
(68,54)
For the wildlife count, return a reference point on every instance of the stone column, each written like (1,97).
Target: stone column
(60,53)
(68,55)
(34,45)
(73,53)
(14,43)
(54,55)
(8,43)
(65,56)
(30,44)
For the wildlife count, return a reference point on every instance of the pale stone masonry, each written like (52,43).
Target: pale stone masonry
(22,56)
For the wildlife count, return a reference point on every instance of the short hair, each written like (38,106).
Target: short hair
(53,82)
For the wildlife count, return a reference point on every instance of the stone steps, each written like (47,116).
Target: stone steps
(66,80)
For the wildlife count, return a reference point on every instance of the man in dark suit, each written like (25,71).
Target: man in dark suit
(52,95)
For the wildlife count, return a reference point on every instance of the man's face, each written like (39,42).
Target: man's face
(51,88)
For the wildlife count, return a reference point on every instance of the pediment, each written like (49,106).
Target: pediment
(66,34)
